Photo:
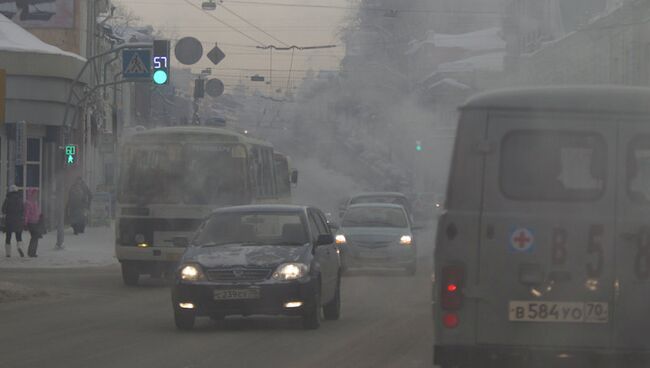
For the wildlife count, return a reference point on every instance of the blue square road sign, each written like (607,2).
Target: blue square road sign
(136,64)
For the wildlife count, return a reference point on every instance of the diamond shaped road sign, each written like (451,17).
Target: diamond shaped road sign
(216,55)
(136,63)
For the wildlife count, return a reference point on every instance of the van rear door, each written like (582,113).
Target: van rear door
(632,286)
(547,231)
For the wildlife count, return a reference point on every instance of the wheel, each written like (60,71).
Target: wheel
(311,318)
(411,269)
(184,320)
(332,310)
(130,274)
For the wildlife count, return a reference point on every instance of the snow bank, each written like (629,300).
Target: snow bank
(15,38)
(10,292)
(93,249)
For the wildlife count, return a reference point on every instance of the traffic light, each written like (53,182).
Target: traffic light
(161,62)
(70,154)
(418,146)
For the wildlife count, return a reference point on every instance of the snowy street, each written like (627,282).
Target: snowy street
(86,317)
(96,247)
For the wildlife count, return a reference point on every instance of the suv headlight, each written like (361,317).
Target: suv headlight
(291,271)
(191,272)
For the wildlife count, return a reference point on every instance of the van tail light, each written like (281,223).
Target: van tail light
(450,320)
(451,291)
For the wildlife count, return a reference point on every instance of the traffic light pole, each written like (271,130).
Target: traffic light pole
(65,127)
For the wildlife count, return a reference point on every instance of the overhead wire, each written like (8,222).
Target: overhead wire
(253,25)
(224,23)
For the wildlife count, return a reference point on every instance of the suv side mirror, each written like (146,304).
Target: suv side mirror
(325,239)
(294,177)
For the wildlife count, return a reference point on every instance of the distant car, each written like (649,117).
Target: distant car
(377,197)
(262,259)
(377,235)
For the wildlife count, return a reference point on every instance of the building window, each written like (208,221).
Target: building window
(29,175)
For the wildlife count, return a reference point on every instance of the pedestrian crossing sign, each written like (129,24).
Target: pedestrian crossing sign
(136,63)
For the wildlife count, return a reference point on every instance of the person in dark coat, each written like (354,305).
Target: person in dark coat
(33,220)
(14,211)
(78,203)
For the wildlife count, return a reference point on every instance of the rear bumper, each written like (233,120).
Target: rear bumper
(271,301)
(155,254)
(485,355)
(353,257)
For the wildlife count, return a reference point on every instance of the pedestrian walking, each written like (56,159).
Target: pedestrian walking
(79,199)
(14,212)
(33,220)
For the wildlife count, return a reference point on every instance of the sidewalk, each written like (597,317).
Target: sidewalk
(96,247)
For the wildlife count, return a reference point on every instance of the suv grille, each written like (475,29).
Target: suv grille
(238,274)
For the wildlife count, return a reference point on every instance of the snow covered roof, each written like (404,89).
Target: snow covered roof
(15,38)
(488,62)
(484,40)
(123,33)
(449,83)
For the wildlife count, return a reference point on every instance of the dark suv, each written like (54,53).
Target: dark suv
(262,259)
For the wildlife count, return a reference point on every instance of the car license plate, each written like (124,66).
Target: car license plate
(580,312)
(236,294)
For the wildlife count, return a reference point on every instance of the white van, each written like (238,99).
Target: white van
(544,248)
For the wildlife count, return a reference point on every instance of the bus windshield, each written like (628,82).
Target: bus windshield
(151,175)
(196,174)
(214,175)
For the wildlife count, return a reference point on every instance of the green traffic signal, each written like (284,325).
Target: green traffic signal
(418,146)
(160,77)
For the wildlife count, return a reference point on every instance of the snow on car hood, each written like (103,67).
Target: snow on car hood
(251,255)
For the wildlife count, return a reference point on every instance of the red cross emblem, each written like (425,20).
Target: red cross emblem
(521,239)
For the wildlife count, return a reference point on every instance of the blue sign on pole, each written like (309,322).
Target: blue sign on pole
(136,64)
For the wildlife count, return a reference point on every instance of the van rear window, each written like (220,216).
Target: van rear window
(638,169)
(543,165)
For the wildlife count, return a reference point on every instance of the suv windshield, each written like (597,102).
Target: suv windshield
(276,228)
(374,217)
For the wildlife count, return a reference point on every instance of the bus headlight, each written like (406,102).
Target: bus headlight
(191,272)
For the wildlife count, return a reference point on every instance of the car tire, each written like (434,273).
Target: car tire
(130,274)
(311,317)
(332,310)
(184,320)
(411,269)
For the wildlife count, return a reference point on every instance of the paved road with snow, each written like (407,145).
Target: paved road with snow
(90,319)
(85,317)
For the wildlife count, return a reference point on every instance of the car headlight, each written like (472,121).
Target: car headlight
(340,239)
(405,240)
(191,272)
(291,271)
